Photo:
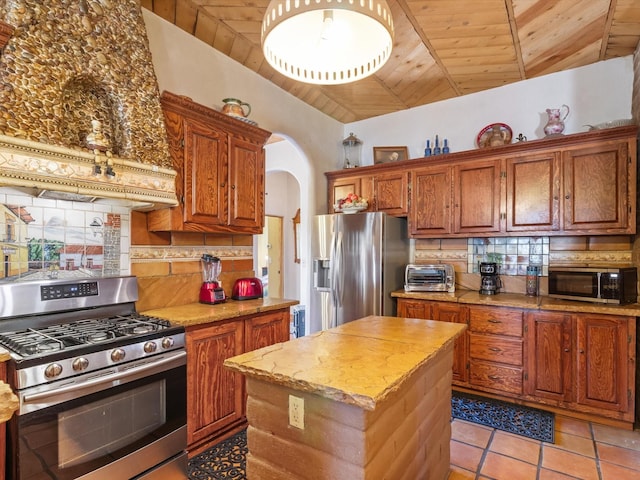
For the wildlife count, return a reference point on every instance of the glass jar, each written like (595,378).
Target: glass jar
(532,284)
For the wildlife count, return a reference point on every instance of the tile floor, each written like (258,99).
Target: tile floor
(582,450)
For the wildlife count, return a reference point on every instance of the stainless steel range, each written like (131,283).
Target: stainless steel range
(102,388)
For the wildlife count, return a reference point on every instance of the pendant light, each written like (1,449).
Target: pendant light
(327,42)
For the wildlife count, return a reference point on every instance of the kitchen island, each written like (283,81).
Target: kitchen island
(371,399)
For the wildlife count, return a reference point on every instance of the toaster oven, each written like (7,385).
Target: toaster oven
(429,278)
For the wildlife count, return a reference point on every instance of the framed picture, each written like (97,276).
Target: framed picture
(389,154)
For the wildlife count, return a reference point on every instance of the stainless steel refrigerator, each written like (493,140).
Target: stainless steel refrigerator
(358,260)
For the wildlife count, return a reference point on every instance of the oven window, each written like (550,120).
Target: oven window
(100,431)
(96,430)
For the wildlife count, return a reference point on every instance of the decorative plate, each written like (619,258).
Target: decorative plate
(487,132)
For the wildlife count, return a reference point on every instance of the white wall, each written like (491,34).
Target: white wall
(283,200)
(187,66)
(596,93)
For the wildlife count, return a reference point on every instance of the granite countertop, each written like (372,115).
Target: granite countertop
(358,363)
(518,300)
(200,313)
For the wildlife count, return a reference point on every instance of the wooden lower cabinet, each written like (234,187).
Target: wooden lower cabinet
(215,395)
(443,312)
(550,374)
(496,349)
(580,364)
(605,366)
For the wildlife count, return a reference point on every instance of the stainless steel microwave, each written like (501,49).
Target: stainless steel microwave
(599,285)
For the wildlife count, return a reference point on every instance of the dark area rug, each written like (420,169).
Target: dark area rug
(525,421)
(225,460)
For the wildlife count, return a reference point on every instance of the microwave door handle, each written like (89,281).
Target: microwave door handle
(599,287)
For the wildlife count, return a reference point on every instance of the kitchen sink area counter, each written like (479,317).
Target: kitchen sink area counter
(373,401)
(199,313)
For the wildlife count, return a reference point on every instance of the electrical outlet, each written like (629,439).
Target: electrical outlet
(296,412)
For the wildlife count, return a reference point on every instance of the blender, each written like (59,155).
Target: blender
(211,290)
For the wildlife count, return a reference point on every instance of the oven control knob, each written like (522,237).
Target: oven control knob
(53,370)
(117,354)
(80,364)
(150,347)
(167,342)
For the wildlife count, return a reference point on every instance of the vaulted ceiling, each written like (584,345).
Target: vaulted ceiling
(442,48)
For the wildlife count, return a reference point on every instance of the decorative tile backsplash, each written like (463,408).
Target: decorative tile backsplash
(512,254)
(45,238)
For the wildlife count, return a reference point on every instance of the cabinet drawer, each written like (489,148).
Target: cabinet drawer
(501,350)
(496,377)
(499,321)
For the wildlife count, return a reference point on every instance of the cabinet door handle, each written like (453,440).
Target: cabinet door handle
(494,321)
(581,351)
(493,377)
(566,350)
(494,349)
(222,184)
(567,196)
(233,187)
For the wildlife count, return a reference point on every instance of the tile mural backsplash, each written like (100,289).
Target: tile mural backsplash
(512,254)
(48,239)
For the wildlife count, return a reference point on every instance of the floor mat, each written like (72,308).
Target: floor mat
(225,460)
(525,421)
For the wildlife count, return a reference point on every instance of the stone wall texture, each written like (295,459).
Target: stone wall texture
(70,62)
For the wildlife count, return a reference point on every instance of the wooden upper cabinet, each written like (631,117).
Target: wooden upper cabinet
(580,184)
(204,199)
(386,192)
(533,192)
(340,187)
(391,193)
(246,188)
(221,170)
(476,194)
(431,198)
(596,188)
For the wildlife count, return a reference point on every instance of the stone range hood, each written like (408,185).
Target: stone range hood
(64,65)
(41,169)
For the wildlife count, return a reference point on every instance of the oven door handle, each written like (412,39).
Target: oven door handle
(128,373)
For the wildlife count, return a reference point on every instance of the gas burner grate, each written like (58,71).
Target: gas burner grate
(33,341)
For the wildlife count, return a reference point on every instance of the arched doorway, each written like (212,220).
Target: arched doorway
(289,187)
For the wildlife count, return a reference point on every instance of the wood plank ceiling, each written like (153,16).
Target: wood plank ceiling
(442,48)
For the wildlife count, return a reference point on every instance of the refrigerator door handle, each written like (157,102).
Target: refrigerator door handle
(337,281)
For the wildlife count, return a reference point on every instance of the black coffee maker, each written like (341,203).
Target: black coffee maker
(489,279)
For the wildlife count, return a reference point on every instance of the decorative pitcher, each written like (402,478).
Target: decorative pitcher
(555,124)
(235,107)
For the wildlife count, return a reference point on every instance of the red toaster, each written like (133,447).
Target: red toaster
(247,289)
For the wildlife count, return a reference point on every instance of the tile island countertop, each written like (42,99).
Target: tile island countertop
(359,363)
(200,313)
